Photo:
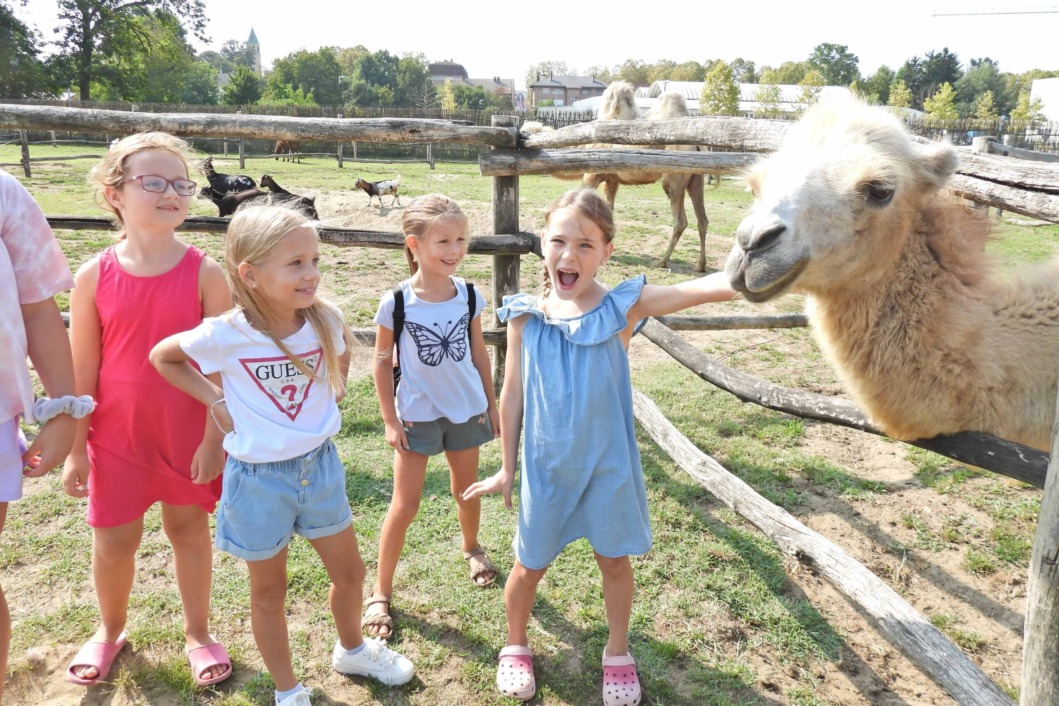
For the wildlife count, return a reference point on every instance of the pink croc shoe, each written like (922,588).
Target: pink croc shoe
(514,674)
(621,686)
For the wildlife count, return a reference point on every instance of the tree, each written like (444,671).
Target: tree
(1026,110)
(688,71)
(835,63)
(767,96)
(466,96)
(982,77)
(811,85)
(543,69)
(876,89)
(601,73)
(942,105)
(447,97)
(635,72)
(911,76)
(238,53)
(21,71)
(661,71)
(200,85)
(743,71)
(413,79)
(900,95)
(312,72)
(244,87)
(938,68)
(93,30)
(985,109)
(720,94)
(789,73)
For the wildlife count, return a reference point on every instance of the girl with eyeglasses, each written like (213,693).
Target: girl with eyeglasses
(146,441)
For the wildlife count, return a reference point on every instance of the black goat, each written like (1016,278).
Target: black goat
(305,204)
(380,189)
(228,203)
(225,183)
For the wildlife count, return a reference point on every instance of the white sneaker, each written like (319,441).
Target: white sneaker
(375,660)
(299,699)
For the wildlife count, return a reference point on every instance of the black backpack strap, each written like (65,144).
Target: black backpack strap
(472,304)
(398,320)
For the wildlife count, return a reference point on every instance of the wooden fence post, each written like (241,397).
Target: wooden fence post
(354,150)
(23,137)
(242,148)
(430,154)
(53,139)
(339,116)
(505,267)
(1040,679)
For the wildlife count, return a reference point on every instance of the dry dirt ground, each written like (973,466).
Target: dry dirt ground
(868,671)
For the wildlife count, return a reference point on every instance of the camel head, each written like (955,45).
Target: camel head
(619,102)
(835,204)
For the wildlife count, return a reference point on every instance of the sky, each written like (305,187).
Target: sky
(491,38)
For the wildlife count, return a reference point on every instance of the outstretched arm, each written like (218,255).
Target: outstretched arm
(658,300)
(511,410)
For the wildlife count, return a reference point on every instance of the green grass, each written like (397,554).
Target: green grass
(716,610)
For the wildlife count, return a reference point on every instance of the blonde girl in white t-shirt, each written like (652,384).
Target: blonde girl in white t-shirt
(444,402)
(282,355)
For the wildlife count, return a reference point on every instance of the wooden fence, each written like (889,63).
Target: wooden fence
(1028,188)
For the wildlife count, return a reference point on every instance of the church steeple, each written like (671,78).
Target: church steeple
(256,46)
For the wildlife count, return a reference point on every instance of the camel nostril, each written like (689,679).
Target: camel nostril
(767,238)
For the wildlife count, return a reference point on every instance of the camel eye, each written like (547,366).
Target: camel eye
(879,194)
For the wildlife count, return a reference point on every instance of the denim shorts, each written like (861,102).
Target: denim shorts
(263,504)
(431,438)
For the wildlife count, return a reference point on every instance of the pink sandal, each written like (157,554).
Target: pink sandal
(514,674)
(621,686)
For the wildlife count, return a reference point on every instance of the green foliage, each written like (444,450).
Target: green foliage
(981,78)
(313,73)
(244,88)
(21,71)
(942,105)
(985,109)
(835,64)
(767,96)
(200,85)
(900,95)
(720,94)
(282,94)
(743,71)
(811,84)
(447,96)
(876,88)
(1025,109)
(789,73)
(413,86)
(925,76)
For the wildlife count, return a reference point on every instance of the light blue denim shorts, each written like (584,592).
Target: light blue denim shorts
(263,504)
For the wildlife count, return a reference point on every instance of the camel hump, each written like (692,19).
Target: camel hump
(619,102)
(671,105)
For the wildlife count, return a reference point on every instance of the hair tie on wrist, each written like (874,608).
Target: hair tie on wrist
(77,407)
(213,413)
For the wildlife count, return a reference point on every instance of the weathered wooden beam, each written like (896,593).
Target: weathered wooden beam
(742,134)
(899,622)
(1040,652)
(989,146)
(728,323)
(36,117)
(997,455)
(1035,204)
(598,161)
(1021,174)
(513,244)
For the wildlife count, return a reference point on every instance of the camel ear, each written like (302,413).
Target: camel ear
(938,162)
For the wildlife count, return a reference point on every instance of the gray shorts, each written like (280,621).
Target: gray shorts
(431,438)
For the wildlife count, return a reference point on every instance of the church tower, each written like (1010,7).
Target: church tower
(256,46)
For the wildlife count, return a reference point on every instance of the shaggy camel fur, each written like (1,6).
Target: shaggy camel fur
(619,103)
(901,297)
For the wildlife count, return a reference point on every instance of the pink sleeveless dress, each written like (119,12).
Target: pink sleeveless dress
(144,431)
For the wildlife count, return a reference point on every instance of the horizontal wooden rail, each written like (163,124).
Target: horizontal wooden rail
(52,159)
(513,244)
(743,134)
(512,162)
(1035,204)
(998,455)
(728,323)
(899,622)
(1019,173)
(37,117)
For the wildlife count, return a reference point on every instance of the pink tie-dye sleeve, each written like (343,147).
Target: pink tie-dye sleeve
(38,262)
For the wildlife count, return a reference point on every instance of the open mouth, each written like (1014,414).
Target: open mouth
(567,278)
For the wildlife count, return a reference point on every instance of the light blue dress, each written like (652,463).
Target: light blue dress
(581,474)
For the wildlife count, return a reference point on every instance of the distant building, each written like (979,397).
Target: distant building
(564,90)
(1047,90)
(252,43)
(442,71)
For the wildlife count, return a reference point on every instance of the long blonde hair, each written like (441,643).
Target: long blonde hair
(112,169)
(588,204)
(420,215)
(252,234)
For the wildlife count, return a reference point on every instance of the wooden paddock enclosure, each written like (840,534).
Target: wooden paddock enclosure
(1030,188)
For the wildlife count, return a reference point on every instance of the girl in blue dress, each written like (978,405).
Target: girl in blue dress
(567,383)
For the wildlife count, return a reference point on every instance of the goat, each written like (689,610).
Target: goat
(287,147)
(225,183)
(227,204)
(380,189)
(305,204)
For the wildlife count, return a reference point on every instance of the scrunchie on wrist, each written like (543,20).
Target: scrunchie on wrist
(45,408)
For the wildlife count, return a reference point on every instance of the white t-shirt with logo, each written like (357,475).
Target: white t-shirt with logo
(278,411)
(438,377)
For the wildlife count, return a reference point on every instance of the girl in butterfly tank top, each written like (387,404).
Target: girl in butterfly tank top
(444,402)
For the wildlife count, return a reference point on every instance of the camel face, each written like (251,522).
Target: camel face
(832,207)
